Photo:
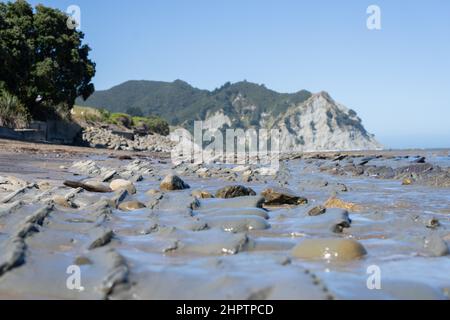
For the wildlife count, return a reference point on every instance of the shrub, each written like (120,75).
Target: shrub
(12,113)
(152,124)
(89,114)
(121,119)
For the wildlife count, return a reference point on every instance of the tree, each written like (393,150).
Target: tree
(42,61)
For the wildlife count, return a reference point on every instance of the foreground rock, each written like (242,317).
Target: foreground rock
(121,184)
(317,211)
(234,192)
(88,186)
(334,202)
(200,194)
(173,182)
(329,249)
(280,196)
(131,205)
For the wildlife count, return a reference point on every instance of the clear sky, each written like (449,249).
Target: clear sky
(396,78)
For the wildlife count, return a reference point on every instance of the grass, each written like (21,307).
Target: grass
(149,124)
(12,113)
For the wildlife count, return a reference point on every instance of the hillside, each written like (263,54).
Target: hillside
(308,122)
(178,102)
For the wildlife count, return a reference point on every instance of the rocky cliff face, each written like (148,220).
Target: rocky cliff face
(317,124)
(321,124)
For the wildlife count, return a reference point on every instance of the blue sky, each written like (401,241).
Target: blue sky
(396,78)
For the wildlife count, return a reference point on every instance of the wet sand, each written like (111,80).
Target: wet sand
(180,247)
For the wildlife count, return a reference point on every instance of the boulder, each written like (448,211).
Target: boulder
(280,196)
(173,182)
(329,249)
(122,184)
(200,194)
(234,192)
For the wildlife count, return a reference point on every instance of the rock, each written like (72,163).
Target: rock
(329,249)
(131,205)
(153,192)
(267,171)
(82,260)
(237,223)
(433,223)
(173,182)
(63,202)
(200,194)
(234,192)
(280,196)
(11,183)
(240,202)
(420,160)
(87,186)
(316,211)
(44,185)
(334,202)
(407,181)
(436,246)
(119,184)
(240,168)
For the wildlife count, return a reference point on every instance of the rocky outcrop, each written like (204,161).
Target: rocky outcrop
(104,138)
(321,124)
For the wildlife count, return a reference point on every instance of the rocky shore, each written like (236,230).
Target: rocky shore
(143,228)
(97,137)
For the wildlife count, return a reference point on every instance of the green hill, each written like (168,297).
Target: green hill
(180,103)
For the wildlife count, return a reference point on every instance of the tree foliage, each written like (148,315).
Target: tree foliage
(43,62)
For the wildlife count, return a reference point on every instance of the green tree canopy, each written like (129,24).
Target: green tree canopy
(42,61)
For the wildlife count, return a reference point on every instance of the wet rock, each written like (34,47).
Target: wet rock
(100,237)
(173,182)
(240,202)
(334,202)
(381,172)
(316,211)
(413,169)
(200,194)
(433,223)
(11,183)
(340,187)
(436,246)
(236,212)
(119,184)
(329,249)
(63,202)
(12,254)
(131,205)
(153,192)
(420,160)
(236,224)
(407,181)
(82,261)
(87,186)
(44,185)
(280,196)
(234,192)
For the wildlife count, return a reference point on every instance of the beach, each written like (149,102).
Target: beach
(132,225)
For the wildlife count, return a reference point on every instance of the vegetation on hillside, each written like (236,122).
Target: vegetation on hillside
(180,103)
(43,63)
(150,124)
